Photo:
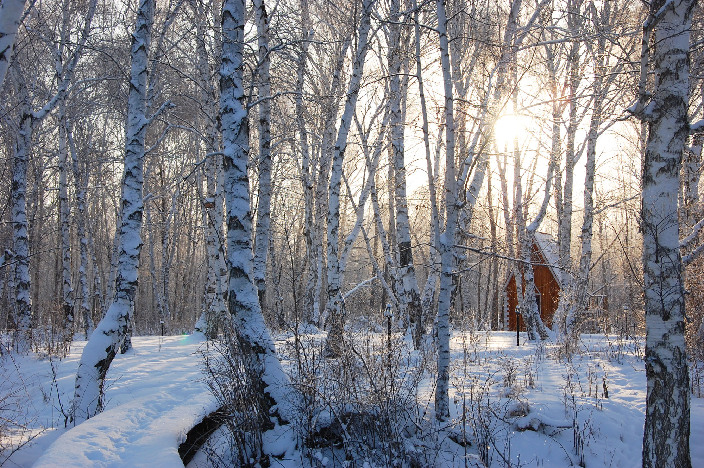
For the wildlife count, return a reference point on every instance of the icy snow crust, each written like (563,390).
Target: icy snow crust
(156,393)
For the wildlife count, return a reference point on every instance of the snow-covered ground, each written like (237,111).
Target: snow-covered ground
(528,403)
(155,394)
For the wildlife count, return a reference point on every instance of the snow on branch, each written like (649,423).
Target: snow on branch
(692,235)
(696,126)
(689,258)
(160,110)
(70,67)
(653,20)
(687,241)
(364,283)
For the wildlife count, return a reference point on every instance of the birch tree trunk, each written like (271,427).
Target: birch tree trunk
(65,228)
(10,16)
(493,293)
(112,329)
(334,307)
(322,184)
(667,418)
(261,238)
(574,21)
(22,280)
(216,277)
(552,63)
(307,175)
(585,260)
(447,241)
(80,180)
(408,292)
(64,206)
(510,230)
(253,336)
(433,275)
(534,322)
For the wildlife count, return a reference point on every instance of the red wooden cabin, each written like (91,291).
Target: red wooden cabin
(544,258)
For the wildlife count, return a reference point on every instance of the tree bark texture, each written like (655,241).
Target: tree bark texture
(262,236)
(667,418)
(114,327)
(335,307)
(10,16)
(248,324)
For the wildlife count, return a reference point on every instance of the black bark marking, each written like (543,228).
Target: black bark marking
(198,435)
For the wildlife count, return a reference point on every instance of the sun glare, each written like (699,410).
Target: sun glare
(509,127)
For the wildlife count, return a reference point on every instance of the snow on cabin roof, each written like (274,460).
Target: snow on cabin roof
(549,249)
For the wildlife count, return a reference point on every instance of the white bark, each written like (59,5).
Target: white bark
(667,418)
(216,276)
(493,305)
(307,175)
(322,183)
(447,241)
(408,292)
(383,236)
(215,307)
(585,260)
(433,275)
(80,180)
(64,206)
(10,17)
(334,307)
(533,321)
(23,301)
(510,230)
(248,322)
(261,246)
(65,227)
(574,22)
(112,329)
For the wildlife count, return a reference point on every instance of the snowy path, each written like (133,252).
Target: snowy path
(155,395)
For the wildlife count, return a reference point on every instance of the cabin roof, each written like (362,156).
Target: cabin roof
(548,247)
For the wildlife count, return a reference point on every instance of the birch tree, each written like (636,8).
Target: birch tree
(432,167)
(306,167)
(22,280)
(325,156)
(261,245)
(526,234)
(447,240)
(565,198)
(252,334)
(10,17)
(80,180)
(110,333)
(667,418)
(25,123)
(216,275)
(605,20)
(408,292)
(334,307)
(64,207)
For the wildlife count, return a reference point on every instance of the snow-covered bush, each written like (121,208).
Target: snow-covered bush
(363,404)
(233,384)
